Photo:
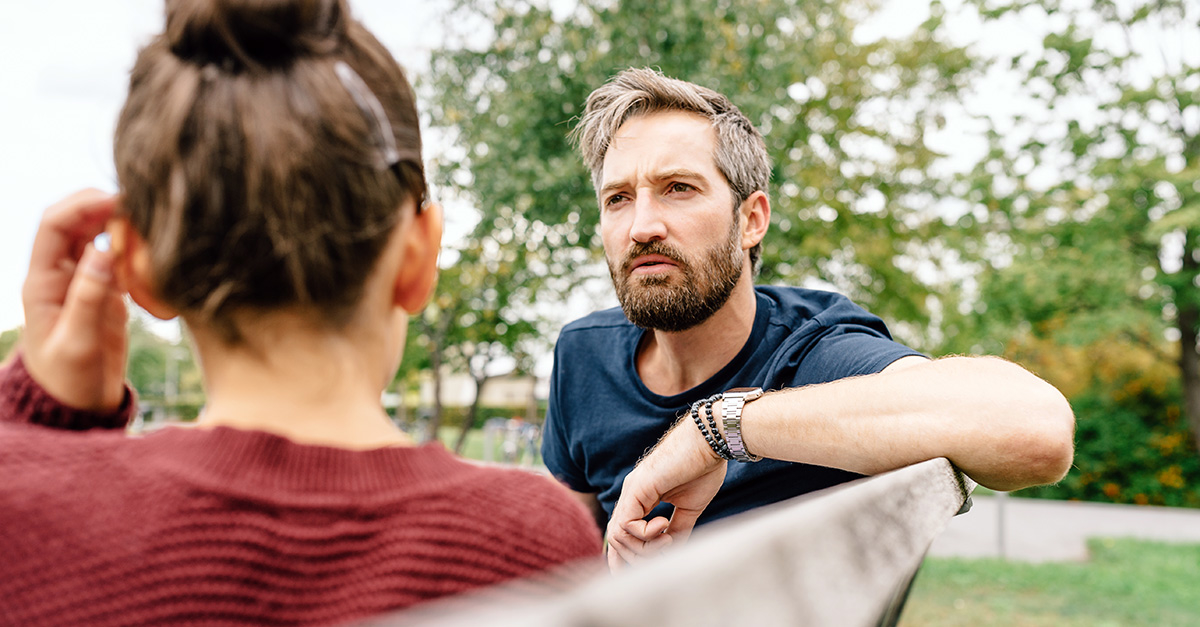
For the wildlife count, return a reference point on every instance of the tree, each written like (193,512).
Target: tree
(8,341)
(1092,191)
(482,315)
(163,372)
(847,122)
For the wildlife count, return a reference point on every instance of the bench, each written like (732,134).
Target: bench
(845,556)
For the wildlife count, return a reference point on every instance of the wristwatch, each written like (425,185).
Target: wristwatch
(732,403)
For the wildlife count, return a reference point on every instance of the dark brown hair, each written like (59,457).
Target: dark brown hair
(248,166)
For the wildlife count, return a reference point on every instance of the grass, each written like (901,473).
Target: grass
(1126,583)
(473,447)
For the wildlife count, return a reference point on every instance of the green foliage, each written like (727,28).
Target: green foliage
(1126,582)
(845,122)
(154,360)
(1089,198)
(1133,446)
(482,313)
(8,341)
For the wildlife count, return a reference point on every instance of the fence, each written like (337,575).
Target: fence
(844,556)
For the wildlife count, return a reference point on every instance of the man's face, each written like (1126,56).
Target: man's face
(673,245)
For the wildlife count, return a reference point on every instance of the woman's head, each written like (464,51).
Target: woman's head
(264,153)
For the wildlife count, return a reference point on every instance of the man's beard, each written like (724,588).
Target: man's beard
(660,302)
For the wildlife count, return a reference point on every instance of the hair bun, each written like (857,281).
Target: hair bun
(241,34)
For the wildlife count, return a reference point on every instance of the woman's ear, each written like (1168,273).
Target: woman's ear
(418,267)
(133,268)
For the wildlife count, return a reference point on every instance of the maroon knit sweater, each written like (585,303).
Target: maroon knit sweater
(221,525)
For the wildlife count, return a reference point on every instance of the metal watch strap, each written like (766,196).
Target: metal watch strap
(731,414)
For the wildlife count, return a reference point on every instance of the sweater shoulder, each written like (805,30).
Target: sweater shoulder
(534,512)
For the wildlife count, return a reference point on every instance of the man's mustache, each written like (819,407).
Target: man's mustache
(651,248)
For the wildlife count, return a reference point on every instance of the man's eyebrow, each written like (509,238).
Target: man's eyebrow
(677,173)
(608,187)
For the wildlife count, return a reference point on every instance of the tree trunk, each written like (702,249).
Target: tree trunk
(1189,323)
(472,415)
(435,360)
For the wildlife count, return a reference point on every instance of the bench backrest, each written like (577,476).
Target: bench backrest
(843,556)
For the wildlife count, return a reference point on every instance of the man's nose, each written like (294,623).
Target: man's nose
(648,219)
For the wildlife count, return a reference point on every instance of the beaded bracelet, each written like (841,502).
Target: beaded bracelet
(711,435)
(712,425)
(700,425)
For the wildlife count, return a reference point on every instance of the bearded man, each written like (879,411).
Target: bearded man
(681,177)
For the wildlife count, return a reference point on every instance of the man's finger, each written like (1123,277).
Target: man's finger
(624,548)
(646,530)
(682,522)
(616,555)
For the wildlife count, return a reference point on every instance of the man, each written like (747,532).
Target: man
(681,179)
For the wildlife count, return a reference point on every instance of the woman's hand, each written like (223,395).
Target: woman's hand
(75,342)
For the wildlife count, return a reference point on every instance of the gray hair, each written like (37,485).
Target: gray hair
(741,155)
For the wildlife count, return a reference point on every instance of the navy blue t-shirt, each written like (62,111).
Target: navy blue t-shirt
(602,418)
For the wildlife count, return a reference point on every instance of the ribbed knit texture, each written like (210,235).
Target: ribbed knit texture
(202,526)
(23,400)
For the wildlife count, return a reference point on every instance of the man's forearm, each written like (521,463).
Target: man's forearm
(997,422)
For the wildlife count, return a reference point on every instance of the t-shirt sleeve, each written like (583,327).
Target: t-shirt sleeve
(556,447)
(850,342)
(849,351)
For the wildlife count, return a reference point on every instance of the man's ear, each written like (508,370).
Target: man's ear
(418,267)
(133,268)
(756,211)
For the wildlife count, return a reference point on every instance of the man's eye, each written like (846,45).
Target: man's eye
(679,188)
(614,199)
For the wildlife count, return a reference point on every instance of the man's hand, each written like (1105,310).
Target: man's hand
(74,342)
(681,470)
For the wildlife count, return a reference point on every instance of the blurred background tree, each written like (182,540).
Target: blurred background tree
(8,341)
(164,372)
(1088,208)
(846,120)
(482,321)
(1070,245)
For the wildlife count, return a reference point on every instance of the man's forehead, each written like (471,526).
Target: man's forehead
(659,124)
(662,142)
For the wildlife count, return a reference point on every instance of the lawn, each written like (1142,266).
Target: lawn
(1126,583)
(473,447)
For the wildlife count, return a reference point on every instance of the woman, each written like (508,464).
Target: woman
(272,196)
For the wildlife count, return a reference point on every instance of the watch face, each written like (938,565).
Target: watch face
(748,394)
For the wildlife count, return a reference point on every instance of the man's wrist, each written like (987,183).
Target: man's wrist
(734,402)
(702,415)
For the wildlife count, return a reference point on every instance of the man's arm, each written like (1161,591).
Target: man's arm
(997,422)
